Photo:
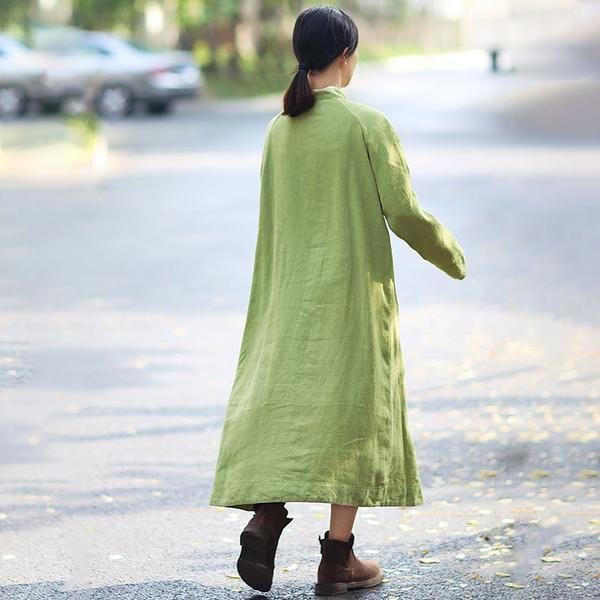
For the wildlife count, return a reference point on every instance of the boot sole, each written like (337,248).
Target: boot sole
(330,589)
(252,565)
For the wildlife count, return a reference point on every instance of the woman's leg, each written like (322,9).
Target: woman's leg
(341,521)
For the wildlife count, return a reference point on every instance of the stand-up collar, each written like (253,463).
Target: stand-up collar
(330,89)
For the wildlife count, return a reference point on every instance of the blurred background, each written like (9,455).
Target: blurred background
(131,134)
(114,54)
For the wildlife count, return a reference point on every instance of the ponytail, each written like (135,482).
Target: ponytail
(299,96)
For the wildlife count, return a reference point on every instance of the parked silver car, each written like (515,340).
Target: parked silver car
(22,77)
(114,73)
(29,76)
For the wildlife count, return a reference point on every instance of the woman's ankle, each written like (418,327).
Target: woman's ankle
(339,536)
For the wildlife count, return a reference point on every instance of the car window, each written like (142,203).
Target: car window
(96,49)
(141,47)
(12,46)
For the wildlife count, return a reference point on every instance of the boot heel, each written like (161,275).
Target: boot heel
(330,589)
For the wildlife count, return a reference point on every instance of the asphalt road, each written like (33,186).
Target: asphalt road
(123,286)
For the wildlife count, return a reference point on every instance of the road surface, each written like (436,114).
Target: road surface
(124,282)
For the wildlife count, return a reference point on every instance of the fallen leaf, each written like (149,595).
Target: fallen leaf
(429,560)
(588,473)
(485,473)
(500,574)
(516,586)
(232,576)
(551,559)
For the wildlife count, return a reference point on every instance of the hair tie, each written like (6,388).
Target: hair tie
(303,67)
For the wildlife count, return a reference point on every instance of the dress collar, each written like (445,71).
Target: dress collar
(330,89)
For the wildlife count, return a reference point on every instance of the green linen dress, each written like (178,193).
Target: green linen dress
(317,409)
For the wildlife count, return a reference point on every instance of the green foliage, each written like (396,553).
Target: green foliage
(257,75)
(105,14)
(192,13)
(86,127)
(15,12)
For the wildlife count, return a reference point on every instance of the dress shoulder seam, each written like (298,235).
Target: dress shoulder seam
(273,119)
(355,117)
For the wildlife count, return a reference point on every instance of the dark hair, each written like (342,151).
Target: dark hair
(320,35)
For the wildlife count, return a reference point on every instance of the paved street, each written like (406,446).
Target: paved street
(124,281)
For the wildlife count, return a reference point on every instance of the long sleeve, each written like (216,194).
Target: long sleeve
(399,203)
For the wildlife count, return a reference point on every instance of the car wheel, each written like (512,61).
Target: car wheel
(50,107)
(13,101)
(114,101)
(158,107)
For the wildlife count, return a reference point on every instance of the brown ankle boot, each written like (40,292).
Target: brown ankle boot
(340,570)
(259,540)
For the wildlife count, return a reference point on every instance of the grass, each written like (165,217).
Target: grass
(375,52)
(258,77)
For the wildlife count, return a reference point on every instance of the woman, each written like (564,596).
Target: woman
(317,411)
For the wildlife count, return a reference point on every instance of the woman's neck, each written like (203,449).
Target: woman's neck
(324,79)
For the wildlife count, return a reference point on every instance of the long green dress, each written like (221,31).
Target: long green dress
(317,409)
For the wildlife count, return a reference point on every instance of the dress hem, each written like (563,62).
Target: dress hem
(247,503)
